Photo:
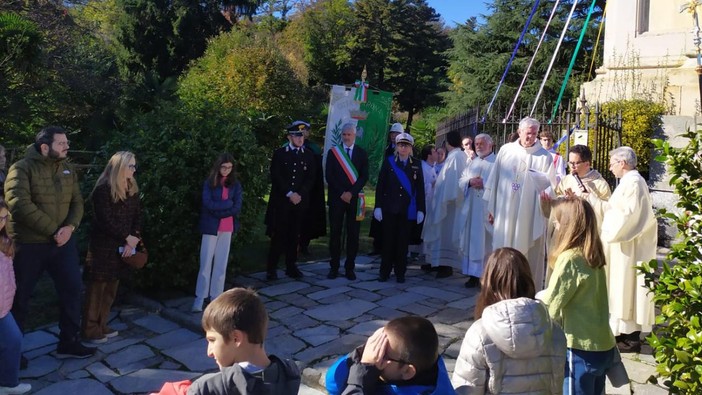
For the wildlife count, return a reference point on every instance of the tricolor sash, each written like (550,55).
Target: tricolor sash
(350,170)
(405,182)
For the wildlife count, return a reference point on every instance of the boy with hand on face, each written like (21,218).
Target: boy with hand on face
(235,325)
(400,358)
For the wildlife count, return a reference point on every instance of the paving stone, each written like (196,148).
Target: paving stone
(390,291)
(364,260)
(81,386)
(364,318)
(282,289)
(648,389)
(339,298)
(286,312)
(37,352)
(637,371)
(300,301)
(453,349)
(112,346)
(318,334)
(140,364)
(192,355)
(341,324)
(78,374)
(328,292)
(385,312)
(309,290)
(156,324)
(72,364)
(40,366)
(437,293)
(448,331)
(128,355)
(299,322)
(37,339)
(284,346)
(366,276)
(173,338)
(101,372)
(364,295)
(451,316)
(373,285)
(275,305)
(169,365)
(418,309)
(341,346)
(450,365)
(147,380)
(340,311)
(367,328)
(279,329)
(399,300)
(305,390)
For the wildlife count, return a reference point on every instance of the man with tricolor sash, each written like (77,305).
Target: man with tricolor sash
(346,175)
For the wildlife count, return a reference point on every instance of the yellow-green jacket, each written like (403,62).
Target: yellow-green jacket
(43,195)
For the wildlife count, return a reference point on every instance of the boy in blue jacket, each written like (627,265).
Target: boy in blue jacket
(400,358)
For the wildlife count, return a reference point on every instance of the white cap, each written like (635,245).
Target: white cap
(404,138)
(396,128)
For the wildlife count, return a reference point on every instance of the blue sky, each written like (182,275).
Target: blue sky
(458,11)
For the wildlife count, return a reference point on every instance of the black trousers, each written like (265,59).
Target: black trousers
(286,232)
(62,263)
(396,234)
(338,212)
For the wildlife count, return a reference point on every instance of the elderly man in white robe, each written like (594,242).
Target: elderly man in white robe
(522,170)
(629,236)
(440,251)
(469,232)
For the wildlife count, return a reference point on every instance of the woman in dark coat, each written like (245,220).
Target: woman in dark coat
(115,232)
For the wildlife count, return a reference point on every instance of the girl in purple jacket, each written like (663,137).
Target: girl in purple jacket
(221,203)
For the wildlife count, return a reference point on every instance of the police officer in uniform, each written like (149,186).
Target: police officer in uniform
(292,176)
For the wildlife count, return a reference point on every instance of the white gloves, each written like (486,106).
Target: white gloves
(378,214)
(420,217)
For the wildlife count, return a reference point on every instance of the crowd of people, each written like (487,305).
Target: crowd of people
(553,254)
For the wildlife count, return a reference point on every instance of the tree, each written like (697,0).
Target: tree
(480,53)
(244,70)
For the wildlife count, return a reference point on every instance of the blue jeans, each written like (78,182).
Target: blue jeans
(10,350)
(585,371)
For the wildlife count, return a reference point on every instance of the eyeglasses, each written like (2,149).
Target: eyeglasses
(132,167)
(400,361)
(576,163)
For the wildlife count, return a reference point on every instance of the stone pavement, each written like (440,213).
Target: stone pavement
(313,321)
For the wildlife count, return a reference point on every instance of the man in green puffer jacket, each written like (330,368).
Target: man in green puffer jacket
(43,194)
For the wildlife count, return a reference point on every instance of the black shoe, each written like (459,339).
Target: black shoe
(333,273)
(400,279)
(629,346)
(74,350)
(271,276)
(382,278)
(444,271)
(294,273)
(24,362)
(472,282)
(350,274)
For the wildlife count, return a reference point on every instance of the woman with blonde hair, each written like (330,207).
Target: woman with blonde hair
(115,233)
(513,346)
(577,296)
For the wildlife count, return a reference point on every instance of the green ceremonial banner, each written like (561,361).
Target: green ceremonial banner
(372,120)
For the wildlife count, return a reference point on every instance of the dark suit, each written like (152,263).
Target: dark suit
(338,183)
(291,171)
(376,228)
(394,200)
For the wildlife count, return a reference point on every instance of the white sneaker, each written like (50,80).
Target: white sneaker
(110,333)
(21,388)
(101,340)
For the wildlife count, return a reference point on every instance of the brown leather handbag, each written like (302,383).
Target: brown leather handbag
(139,258)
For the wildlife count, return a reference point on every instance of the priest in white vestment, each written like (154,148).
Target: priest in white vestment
(469,230)
(440,251)
(522,170)
(629,236)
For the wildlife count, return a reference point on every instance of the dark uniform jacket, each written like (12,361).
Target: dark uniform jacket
(43,195)
(391,196)
(337,180)
(291,171)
